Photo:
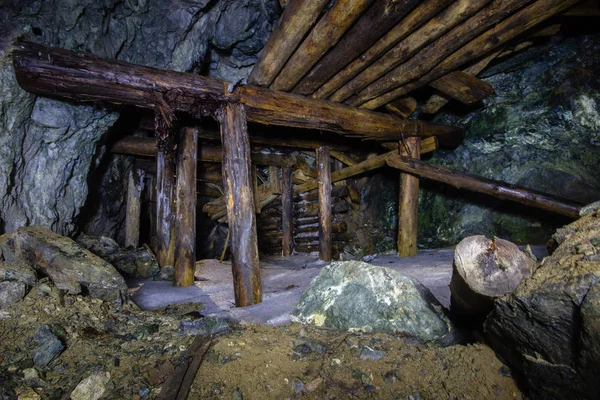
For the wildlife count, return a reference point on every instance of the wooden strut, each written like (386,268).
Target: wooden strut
(165,187)
(240,205)
(498,189)
(185,245)
(325,212)
(408,204)
(84,77)
(133,211)
(131,145)
(287,212)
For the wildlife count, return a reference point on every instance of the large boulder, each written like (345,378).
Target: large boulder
(70,266)
(353,295)
(549,327)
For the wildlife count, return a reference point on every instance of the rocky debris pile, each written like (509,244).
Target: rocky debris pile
(353,295)
(138,263)
(56,345)
(70,267)
(295,361)
(549,327)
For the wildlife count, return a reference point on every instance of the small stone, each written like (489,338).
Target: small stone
(205,326)
(299,386)
(165,274)
(92,387)
(144,392)
(370,388)
(11,292)
(30,375)
(590,208)
(368,353)
(237,395)
(391,377)
(49,346)
(313,385)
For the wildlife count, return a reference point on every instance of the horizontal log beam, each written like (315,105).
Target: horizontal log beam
(138,146)
(463,87)
(498,189)
(84,77)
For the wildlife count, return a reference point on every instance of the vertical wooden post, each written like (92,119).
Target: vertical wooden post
(185,246)
(240,205)
(274,181)
(133,210)
(287,211)
(324,179)
(165,187)
(255,192)
(409,202)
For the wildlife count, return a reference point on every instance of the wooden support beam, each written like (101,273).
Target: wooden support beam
(185,246)
(274,180)
(165,188)
(325,34)
(437,27)
(403,108)
(463,87)
(132,220)
(297,18)
(83,77)
(324,181)
(404,27)
(376,21)
(497,189)
(287,212)
(343,158)
(132,145)
(255,188)
(408,204)
(240,205)
(499,34)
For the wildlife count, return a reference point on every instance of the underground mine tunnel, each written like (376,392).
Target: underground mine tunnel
(321,199)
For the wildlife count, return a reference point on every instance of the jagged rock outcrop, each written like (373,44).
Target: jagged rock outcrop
(46,146)
(549,327)
(69,266)
(353,295)
(540,131)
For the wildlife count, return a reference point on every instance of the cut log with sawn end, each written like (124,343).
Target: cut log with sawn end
(484,270)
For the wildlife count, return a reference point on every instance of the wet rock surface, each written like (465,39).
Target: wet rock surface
(353,295)
(47,146)
(70,266)
(549,327)
(11,292)
(539,131)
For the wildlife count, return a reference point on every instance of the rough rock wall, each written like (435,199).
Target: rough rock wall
(46,146)
(541,130)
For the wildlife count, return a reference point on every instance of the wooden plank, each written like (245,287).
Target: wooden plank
(82,77)
(165,188)
(343,158)
(497,189)
(255,188)
(240,205)
(274,180)
(437,27)
(323,36)
(297,19)
(376,21)
(408,204)
(324,180)
(139,146)
(135,186)
(287,212)
(463,87)
(185,236)
(403,108)
(407,25)
(499,34)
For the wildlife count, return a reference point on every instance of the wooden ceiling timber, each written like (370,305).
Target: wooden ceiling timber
(463,87)
(296,20)
(321,38)
(374,23)
(589,8)
(437,101)
(430,56)
(414,20)
(495,37)
(84,77)
(439,27)
(403,107)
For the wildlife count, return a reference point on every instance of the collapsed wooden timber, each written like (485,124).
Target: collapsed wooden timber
(498,189)
(84,77)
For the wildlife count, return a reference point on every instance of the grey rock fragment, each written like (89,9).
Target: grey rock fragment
(17,271)
(165,274)
(204,326)
(11,292)
(368,353)
(92,387)
(590,208)
(49,346)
